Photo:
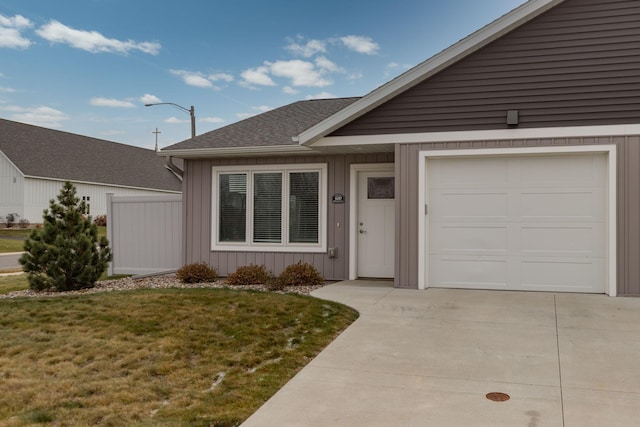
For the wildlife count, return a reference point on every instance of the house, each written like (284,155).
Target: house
(510,160)
(35,161)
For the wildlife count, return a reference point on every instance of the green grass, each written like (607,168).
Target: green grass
(197,357)
(12,239)
(13,283)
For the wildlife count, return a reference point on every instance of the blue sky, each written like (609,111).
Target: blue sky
(89,66)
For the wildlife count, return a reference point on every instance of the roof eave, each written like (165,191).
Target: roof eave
(428,68)
(272,150)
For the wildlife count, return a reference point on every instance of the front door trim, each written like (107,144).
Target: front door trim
(355,169)
(609,149)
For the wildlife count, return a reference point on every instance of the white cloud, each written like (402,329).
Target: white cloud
(361,44)
(301,73)
(254,111)
(289,90)
(40,116)
(175,120)
(11,32)
(93,41)
(221,77)
(6,90)
(193,78)
(110,102)
(328,65)
(321,95)
(308,49)
(212,120)
(256,76)
(149,99)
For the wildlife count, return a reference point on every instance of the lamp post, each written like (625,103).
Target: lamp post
(191,111)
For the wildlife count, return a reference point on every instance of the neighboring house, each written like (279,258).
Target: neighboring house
(510,160)
(35,161)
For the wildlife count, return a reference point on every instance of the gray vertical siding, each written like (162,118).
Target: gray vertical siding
(577,64)
(197,213)
(628,208)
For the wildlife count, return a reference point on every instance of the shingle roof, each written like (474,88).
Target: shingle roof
(48,153)
(273,128)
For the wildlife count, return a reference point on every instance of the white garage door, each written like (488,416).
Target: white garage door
(533,222)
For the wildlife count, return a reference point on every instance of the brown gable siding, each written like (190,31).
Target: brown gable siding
(628,202)
(197,216)
(577,64)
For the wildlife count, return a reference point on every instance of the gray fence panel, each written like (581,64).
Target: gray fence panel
(145,233)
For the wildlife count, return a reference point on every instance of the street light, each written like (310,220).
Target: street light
(191,111)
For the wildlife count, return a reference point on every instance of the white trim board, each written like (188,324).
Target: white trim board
(355,169)
(481,135)
(609,149)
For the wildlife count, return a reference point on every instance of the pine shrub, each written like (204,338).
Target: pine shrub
(300,274)
(199,272)
(65,254)
(249,275)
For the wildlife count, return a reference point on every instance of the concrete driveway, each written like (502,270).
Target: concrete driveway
(429,358)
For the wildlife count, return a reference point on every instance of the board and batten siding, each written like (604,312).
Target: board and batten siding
(577,64)
(38,192)
(197,214)
(11,188)
(628,202)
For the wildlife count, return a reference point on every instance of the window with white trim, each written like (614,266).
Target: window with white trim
(278,208)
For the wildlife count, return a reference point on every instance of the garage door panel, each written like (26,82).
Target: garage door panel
(527,223)
(577,275)
(452,172)
(564,170)
(469,272)
(561,240)
(462,238)
(568,205)
(471,205)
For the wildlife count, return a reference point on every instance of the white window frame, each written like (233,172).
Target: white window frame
(284,246)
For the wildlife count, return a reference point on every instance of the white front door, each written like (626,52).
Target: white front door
(376,224)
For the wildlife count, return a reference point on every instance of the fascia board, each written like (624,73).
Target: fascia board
(423,71)
(194,153)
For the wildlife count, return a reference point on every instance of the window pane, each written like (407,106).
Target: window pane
(233,208)
(267,207)
(303,207)
(381,188)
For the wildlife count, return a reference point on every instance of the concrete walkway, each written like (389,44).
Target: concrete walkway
(429,358)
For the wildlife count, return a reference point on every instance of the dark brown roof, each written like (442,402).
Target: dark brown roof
(48,153)
(275,127)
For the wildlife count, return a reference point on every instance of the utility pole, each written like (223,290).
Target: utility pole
(156,132)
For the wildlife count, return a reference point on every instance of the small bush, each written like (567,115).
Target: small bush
(10,219)
(197,273)
(100,220)
(300,274)
(24,223)
(249,275)
(275,284)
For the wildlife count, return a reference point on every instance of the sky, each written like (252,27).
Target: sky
(90,66)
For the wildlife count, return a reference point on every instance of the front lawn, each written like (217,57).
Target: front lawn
(12,239)
(13,283)
(197,357)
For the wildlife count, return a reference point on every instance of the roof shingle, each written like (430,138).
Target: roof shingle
(47,153)
(273,128)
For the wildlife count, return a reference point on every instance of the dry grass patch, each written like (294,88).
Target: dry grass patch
(13,283)
(156,357)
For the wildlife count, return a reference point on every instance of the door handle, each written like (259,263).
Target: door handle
(363,231)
